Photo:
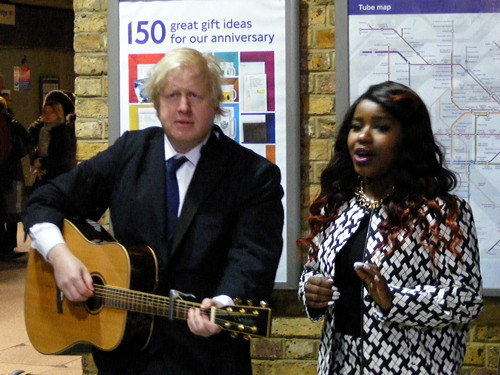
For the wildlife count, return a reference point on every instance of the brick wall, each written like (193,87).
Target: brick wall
(293,347)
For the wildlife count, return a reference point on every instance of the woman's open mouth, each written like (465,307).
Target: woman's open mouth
(362,156)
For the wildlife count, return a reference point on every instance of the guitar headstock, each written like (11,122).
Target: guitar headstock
(249,321)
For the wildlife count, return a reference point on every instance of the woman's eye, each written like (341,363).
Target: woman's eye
(383,128)
(355,127)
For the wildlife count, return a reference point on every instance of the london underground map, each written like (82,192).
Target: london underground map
(451,57)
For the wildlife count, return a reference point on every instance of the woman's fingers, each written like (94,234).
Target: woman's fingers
(320,292)
(375,283)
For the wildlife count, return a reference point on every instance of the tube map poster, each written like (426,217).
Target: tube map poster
(449,53)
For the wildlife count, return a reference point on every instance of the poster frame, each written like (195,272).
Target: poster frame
(342,67)
(292,183)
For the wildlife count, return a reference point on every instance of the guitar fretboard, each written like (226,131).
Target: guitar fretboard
(249,320)
(130,300)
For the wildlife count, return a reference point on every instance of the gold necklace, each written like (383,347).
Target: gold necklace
(367,203)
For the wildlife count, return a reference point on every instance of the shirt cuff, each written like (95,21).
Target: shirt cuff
(225,300)
(44,237)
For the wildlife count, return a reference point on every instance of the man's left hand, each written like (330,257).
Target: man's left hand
(199,323)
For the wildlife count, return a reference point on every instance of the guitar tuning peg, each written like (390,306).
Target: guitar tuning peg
(237,301)
(234,335)
(264,304)
(247,337)
(250,302)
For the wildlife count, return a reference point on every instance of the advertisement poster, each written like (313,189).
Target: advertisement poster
(7,14)
(22,78)
(448,52)
(247,37)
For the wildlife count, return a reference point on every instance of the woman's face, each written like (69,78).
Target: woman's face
(373,141)
(50,115)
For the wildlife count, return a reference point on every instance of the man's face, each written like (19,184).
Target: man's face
(186,109)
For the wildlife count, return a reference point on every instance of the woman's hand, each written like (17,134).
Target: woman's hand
(375,283)
(320,292)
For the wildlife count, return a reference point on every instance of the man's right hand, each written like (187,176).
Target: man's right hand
(72,277)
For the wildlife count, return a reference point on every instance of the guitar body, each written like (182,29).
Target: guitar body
(58,326)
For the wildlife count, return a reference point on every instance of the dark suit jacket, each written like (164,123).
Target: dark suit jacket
(228,238)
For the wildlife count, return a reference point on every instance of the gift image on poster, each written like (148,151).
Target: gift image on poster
(258,128)
(257,81)
(228,62)
(139,67)
(229,120)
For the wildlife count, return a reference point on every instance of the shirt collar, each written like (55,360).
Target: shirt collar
(192,155)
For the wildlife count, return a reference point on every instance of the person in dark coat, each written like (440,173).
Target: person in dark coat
(54,136)
(12,181)
(225,239)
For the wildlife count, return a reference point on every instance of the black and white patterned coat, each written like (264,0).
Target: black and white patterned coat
(434,298)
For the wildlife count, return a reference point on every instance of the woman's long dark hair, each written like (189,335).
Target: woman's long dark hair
(419,173)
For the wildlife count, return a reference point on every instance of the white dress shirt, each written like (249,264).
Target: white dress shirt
(186,170)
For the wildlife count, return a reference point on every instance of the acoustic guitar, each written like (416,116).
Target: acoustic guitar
(120,315)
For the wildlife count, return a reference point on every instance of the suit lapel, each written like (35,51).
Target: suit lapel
(209,171)
(155,187)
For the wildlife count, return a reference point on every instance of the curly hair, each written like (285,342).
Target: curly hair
(206,64)
(418,172)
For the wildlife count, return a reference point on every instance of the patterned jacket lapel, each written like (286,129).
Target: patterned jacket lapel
(344,226)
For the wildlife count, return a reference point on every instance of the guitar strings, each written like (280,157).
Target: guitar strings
(148,303)
(160,305)
(137,297)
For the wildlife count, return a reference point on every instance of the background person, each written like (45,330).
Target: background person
(394,263)
(17,142)
(8,100)
(54,137)
(228,237)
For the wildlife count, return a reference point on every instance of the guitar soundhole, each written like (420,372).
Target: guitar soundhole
(94,304)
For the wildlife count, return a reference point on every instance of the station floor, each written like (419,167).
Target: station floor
(16,351)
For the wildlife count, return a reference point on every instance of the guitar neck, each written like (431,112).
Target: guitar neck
(247,320)
(145,303)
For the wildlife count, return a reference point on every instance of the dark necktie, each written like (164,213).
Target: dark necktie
(173,164)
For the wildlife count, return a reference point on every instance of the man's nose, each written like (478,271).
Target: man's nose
(184,104)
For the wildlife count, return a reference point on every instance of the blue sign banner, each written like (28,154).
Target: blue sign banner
(365,7)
